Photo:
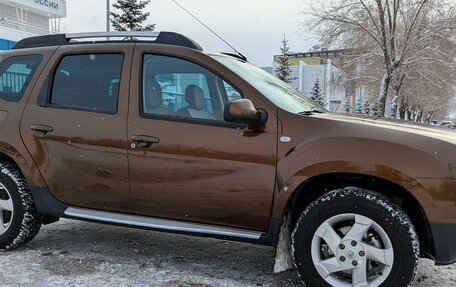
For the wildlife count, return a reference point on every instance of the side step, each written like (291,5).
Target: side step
(157,223)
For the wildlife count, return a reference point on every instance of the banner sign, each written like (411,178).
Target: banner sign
(53,8)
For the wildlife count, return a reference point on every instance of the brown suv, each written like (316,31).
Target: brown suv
(160,134)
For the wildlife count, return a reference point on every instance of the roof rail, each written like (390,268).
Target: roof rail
(169,38)
(119,34)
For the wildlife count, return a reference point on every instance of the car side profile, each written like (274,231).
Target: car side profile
(157,133)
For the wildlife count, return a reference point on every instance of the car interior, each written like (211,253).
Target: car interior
(178,88)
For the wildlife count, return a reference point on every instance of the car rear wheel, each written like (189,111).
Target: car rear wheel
(354,237)
(19,220)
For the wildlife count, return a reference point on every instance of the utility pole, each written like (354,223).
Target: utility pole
(108,9)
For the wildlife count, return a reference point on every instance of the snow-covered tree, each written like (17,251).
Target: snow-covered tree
(132,16)
(359,106)
(366,108)
(283,71)
(374,110)
(316,93)
(392,39)
(422,96)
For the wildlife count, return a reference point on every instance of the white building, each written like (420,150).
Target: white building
(307,67)
(27,18)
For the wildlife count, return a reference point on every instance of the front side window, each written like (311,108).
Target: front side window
(178,88)
(15,74)
(88,82)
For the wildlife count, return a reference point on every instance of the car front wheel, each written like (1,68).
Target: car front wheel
(355,237)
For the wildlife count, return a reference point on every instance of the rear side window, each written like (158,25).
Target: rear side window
(15,75)
(87,82)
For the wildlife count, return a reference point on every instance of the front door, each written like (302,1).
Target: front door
(75,124)
(185,162)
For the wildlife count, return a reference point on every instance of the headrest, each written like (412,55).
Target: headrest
(194,96)
(153,95)
(115,89)
(61,76)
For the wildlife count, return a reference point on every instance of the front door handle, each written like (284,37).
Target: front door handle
(42,129)
(145,141)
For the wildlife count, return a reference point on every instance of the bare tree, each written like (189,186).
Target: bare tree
(426,94)
(395,38)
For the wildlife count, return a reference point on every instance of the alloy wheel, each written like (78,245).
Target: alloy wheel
(352,250)
(6,209)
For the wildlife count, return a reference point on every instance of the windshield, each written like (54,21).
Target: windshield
(280,93)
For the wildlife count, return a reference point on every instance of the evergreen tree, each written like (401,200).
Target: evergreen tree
(375,110)
(283,71)
(359,106)
(132,17)
(366,108)
(316,93)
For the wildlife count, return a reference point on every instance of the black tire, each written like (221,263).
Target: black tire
(25,221)
(394,222)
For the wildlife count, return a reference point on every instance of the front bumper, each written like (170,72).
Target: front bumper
(445,242)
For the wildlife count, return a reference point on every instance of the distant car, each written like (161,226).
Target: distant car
(163,135)
(448,125)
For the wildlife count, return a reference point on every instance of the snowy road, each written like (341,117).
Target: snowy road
(73,253)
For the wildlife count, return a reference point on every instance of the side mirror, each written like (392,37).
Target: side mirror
(242,111)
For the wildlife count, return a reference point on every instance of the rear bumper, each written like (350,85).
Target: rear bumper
(445,242)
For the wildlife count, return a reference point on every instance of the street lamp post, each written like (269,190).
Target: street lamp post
(108,7)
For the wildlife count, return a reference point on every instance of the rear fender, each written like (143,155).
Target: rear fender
(24,162)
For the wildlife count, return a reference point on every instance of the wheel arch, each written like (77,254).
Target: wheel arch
(12,156)
(316,186)
(8,159)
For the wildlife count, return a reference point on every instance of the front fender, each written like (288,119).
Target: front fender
(323,146)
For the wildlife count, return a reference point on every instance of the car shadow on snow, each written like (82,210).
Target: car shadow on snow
(77,249)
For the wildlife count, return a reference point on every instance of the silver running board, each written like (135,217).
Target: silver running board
(156,223)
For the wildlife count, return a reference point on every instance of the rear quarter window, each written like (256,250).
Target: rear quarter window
(15,75)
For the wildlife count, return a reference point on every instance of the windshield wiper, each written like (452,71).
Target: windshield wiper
(311,112)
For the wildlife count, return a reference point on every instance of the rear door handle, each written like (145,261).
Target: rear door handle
(43,129)
(145,141)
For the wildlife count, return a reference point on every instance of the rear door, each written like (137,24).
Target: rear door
(74,125)
(185,162)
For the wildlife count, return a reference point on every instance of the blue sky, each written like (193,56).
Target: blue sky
(254,27)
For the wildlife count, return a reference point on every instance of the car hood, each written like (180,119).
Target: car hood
(394,124)
(367,144)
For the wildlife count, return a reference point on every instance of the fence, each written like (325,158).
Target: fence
(12,82)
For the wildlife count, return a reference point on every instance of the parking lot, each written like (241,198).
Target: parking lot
(74,253)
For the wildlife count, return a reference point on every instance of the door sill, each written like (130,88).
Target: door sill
(158,223)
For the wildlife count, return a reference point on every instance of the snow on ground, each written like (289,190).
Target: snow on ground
(74,253)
